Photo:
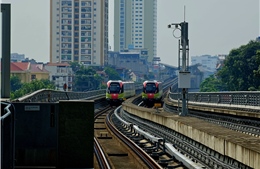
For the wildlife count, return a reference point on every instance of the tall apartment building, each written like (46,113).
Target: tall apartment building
(79,31)
(135,25)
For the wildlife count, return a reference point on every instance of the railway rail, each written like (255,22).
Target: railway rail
(163,152)
(185,145)
(195,151)
(113,149)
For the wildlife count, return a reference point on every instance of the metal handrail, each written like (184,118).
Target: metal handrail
(247,98)
(8,112)
(7,137)
(47,95)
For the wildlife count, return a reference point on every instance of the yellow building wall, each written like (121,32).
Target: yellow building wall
(40,76)
(26,77)
(23,76)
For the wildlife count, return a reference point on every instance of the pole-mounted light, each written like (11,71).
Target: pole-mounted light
(184,74)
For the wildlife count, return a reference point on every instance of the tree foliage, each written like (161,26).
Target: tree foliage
(15,83)
(75,66)
(241,68)
(257,72)
(86,79)
(212,84)
(112,73)
(150,76)
(83,78)
(30,87)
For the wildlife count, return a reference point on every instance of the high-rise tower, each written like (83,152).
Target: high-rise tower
(135,24)
(79,31)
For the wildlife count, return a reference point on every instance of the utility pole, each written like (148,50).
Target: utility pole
(6,51)
(184,74)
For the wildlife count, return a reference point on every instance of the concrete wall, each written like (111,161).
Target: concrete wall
(55,134)
(76,134)
(36,134)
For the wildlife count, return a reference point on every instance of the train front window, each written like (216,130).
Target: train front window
(150,88)
(114,88)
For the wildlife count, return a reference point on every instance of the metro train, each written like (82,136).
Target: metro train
(152,93)
(117,91)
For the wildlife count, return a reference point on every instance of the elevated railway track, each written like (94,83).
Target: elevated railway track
(214,156)
(204,108)
(113,149)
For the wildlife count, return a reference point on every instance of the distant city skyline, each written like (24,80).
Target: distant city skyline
(215,27)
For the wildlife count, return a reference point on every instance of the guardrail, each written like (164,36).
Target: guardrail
(232,98)
(47,95)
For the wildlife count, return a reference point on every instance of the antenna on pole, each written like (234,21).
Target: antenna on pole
(184,75)
(184,13)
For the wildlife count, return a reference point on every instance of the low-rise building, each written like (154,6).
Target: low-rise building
(132,60)
(27,71)
(60,74)
(39,72)
(16,57)
(207,62)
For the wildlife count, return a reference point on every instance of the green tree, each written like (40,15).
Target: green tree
(75,66)
(211,84)
(150,76)
(241,68)
(86,79)
(98,81)
(15,82)
(32,86)
(112,73)
(257,72)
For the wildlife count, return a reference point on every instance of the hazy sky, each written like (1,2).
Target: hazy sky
(215,26)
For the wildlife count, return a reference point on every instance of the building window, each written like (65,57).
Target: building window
(33,77)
